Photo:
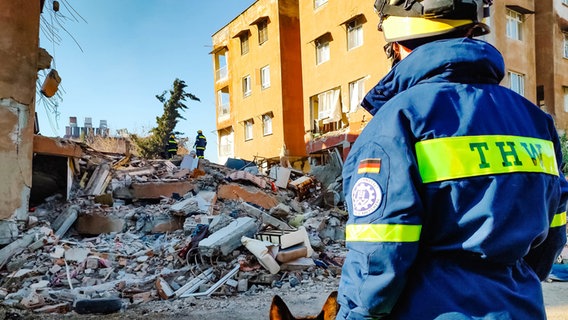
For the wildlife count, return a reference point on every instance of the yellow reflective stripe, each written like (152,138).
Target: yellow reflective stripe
(469,156)
(382,232)
(558,220)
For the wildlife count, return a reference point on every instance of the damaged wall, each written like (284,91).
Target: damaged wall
(19,42)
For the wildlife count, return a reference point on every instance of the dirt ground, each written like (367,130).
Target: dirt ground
(305,299)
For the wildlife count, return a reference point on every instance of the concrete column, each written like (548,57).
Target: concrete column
(19,48)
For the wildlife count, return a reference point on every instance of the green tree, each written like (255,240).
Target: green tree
(153,146)
(564,148)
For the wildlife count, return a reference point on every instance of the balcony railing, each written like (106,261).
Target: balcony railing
(221,73)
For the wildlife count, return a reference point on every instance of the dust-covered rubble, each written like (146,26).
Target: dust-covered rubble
(137,231)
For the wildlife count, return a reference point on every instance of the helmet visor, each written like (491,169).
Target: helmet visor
(406,28)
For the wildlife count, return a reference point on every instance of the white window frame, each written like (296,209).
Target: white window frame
(326,103)
(319,3)
(222,72)
(224,100)
(565,92)
(354,34)
(262,31)
(322,51)
(514,25)
(565,51)
(356,94)
(226,142)
(267,124)
(247,86)
(265,77)
(248,124)
(517,82)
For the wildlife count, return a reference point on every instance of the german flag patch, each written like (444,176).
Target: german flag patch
(369,166)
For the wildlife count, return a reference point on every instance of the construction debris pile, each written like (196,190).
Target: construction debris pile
(137,230)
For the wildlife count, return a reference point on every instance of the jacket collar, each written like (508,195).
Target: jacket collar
(460,60)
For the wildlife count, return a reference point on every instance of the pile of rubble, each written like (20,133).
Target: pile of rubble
(137,230)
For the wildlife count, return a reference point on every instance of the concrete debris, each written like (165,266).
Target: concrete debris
(135,230)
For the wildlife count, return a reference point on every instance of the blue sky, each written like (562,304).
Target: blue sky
(131,50)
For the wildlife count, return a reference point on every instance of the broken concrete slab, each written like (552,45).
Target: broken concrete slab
(281,211)
(95,224)
(77,254)
(228,239)
(264,217)
(165,291)
(136,171)
(298,264)
(252,195)
(8,231)
(65,221)
(201,203)
(157,190)
(165,223)
(16,247)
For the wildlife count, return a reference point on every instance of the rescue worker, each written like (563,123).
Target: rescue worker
(200,144)
(457,204)
(172,146)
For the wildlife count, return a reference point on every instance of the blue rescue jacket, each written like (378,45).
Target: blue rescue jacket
(456,199)
(200,142)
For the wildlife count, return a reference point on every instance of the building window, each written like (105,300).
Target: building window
(265,77)
(248,129)
(221,73)
(246,86)
(517,82)
(226,138)
(223,99)
(262,31)
(267,124)
(565,99)
(329,106)
(514,25)
(322,50)
(356,94)
(319,3)
(565,55)
(244,43)
(354,34)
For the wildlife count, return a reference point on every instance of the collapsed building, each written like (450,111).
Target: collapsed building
(115,230)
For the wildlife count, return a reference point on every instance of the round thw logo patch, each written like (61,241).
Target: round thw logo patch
(366,196)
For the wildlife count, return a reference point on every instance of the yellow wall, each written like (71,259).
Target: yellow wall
(295,77)
(282,98)
(19,49)
(519,55)
(344,66)
(552,67)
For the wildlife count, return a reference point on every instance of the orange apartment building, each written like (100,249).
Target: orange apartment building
(552,59)
(340,58)
(258,80)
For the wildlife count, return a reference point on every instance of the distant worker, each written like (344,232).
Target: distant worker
(200,144)
(172,146)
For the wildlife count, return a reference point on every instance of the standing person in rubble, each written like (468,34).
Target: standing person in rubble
(200,144)
(456,199)
(171,146)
